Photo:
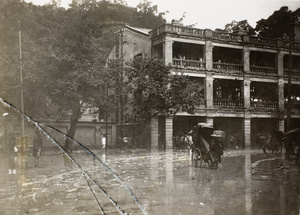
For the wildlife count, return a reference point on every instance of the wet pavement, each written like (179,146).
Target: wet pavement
(148,182)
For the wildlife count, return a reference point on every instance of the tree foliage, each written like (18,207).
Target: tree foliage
(277,25)
(149,14)
(155,90)
(240,27)
(64,53)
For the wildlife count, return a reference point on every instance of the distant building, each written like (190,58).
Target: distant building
(244,78)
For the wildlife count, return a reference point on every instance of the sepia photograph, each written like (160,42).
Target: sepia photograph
(149,107)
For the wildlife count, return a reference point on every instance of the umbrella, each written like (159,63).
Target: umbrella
(204,125)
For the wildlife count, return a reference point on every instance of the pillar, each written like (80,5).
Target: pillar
(209,91)
(247,132)
(169,132)
(168,52)
(281,124)
(210,120)
(279,62)
(246,59)
(154,133)
(208,55)
(246,92)
(281,94)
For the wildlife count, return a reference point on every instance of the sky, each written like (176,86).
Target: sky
(211,14)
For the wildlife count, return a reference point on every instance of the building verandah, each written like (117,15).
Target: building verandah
(243,78)
(241,132)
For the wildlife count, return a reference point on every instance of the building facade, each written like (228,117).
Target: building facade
(244,81)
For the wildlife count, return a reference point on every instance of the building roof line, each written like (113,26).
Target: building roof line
(144,31)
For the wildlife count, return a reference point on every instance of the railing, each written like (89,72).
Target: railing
(260,41)
(228,103)
(182,63)
(286,44)
(294,104)
(263,104)
(263,41)
(187,30)
(262,69)
(227,67)
(227,36)
(294,72)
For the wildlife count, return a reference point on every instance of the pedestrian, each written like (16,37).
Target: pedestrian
(12,152)
(12,148)
(37,147)
(103,142)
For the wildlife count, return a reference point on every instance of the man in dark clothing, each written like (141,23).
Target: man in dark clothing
(37,147)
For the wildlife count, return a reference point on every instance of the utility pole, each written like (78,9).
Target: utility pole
(21,83)
(106,117)
(23,155)
(289,106)
(121,87)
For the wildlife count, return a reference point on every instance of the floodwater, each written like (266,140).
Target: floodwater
(147,182)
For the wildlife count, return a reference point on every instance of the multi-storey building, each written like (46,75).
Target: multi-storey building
(244,80)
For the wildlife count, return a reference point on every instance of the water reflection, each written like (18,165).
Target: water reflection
(248,189)
(164,183)
(169,176)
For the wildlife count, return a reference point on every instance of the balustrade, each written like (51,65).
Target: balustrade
(228,103)
(295,72)
(260,41)
(264,104)
(227,36)
(187,30)
(182,63)
(294,104)
(262,69)
(227,67)
(263,41)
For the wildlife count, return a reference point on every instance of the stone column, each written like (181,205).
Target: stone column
(246,92)
(168,52)
(246,59)
(209,91)
(154,133)
(281,124)
(210,120)
(247,132)
(281,94)
(279,62)
(208,55)
(169,132)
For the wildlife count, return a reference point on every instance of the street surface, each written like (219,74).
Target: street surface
(162,183)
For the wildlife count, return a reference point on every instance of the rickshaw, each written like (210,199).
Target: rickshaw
(207,147)
(270,141)
(292,144)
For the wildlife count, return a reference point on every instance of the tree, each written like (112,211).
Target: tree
(155,90)
(240,27)
(148,15)
(277,25)
(64,53)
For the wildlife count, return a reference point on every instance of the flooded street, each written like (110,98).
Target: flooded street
(147,182)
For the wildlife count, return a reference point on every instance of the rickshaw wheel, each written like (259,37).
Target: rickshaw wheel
(196,157)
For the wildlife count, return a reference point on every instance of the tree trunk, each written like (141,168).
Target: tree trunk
(73,123)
